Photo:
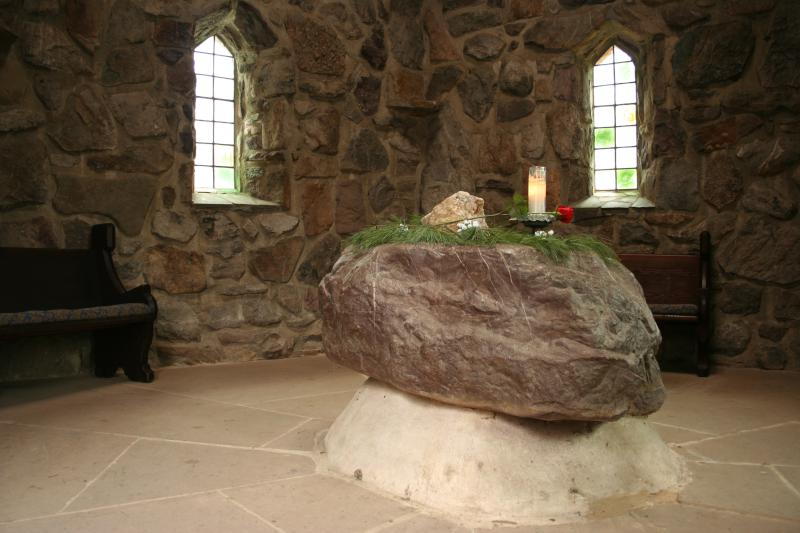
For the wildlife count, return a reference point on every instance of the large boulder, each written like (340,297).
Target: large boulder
(497,328)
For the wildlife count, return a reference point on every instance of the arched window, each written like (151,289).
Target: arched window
(614,122)
(215,118)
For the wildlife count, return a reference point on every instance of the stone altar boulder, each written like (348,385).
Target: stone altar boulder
(497,328)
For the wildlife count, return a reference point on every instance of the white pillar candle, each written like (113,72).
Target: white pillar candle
(537,189)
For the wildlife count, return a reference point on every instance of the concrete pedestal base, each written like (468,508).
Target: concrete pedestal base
(481,467)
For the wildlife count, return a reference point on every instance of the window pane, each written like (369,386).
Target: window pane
(626,157)
(604,180)
(223,88)
(223,66)
(203,177)
(223,111)
(223,133)
(204,109)
(204,154)
(603,116)
(207,46)
(626,178)
(203,63)
(223,155)
(205,86)
(604,95)
(614,118)
(624,73)
(204,131)
(626,115)
(223,178)
(626,136)
(626,93)
(604,159)
(220,48)
(606,58)
(604,138)
(215,116)
(620,55)
(604,75)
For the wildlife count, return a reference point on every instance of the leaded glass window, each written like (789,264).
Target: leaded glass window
(215,122)
(614,115)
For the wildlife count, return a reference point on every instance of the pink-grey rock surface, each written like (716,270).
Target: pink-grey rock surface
(497,328)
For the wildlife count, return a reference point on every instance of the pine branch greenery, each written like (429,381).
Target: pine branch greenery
(518,208)
(554,247)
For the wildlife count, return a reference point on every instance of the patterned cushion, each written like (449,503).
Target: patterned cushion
(48,316)
(674,309)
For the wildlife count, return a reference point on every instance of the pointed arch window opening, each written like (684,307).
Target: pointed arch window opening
(614,103)
(215,117)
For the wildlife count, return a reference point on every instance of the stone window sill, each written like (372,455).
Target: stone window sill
(228,199)
(615,200)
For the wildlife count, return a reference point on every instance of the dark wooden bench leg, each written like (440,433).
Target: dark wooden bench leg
(125,347)
(703,361)
(105,360)
(136,343)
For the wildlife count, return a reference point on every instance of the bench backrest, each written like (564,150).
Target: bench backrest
(672,279)
(666,279)
(45,278)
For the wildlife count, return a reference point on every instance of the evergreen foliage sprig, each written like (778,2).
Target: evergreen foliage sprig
(554,247)
(518,208)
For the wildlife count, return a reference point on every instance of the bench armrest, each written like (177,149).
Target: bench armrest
(103,243)
(138,295)
(103,237)
(705,287)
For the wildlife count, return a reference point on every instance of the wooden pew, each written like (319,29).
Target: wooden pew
(676,288)
(49,291)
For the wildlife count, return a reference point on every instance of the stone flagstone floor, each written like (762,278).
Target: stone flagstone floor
(230,448)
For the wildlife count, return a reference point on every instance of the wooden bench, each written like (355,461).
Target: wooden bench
(676,288)
(49,291)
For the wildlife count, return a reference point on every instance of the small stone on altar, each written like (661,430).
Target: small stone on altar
(456,208)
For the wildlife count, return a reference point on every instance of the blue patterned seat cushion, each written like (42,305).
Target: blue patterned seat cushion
(47,316)
(674,309)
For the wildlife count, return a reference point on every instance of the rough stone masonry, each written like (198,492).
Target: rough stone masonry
(353,111)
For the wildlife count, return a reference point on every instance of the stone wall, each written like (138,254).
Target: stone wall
(353,111)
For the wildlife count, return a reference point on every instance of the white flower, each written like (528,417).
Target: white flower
(403,226)
(465,224)
(551,232)
(539,233)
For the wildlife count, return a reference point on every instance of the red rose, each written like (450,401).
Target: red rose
(565,214)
